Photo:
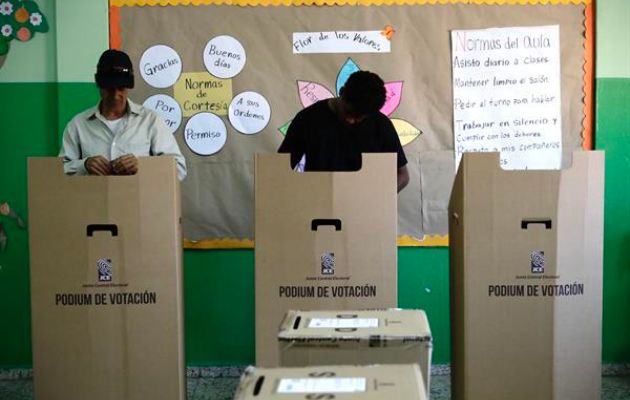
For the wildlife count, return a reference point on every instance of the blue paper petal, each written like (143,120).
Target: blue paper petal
(346,70)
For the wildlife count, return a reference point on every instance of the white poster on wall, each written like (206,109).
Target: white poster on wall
(341,42)
(224,57)
(166,107)
(160,66)
(249,112)
(506,95)
(205,134)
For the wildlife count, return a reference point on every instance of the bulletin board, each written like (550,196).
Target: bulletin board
(246,67)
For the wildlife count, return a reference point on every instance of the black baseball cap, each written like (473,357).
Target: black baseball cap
(114,70)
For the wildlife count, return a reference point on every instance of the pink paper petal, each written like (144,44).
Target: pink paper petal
(393,97)
(311,92)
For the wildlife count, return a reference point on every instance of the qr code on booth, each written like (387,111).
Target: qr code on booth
(538,262)
(104,267)
(328,263)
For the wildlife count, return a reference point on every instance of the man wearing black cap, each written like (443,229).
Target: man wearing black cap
(107,138)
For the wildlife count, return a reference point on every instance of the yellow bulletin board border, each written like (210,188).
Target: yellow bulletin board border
(130,3)
(404,241)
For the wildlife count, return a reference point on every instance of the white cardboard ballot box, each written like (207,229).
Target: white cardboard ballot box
(356,337)
(367,382)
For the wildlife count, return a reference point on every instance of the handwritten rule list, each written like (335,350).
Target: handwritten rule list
(506,95)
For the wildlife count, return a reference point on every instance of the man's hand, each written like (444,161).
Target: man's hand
(125,165)
(98,165)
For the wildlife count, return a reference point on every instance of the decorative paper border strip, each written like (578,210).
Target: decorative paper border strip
(589,67)
(225,243)
(230,243)
(131,3)
(115,41)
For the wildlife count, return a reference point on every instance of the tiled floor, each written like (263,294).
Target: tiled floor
(222,388)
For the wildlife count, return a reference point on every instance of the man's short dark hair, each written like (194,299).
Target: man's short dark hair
(365,92)
(114,70)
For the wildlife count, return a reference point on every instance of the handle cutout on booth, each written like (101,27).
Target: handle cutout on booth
(345,329)
(297,164)
(535,221)
(258,385)
(296,323)
(316,223)
(111,228)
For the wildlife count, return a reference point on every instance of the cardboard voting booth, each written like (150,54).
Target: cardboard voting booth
(526,280)
(106,283)
(353,337)
(324,240)
(375,382)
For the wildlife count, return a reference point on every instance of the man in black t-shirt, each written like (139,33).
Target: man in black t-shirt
(331,134)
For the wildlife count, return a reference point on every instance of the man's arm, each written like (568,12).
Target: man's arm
(391,143)
(402,177)
(73,161)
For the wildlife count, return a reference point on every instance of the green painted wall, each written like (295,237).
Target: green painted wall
(613,136)
(28,114)
(29,118)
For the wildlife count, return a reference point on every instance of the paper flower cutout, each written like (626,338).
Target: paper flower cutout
(19,20)
(6,8)
(393,95)
(347,69)
(406,131)
(7,211)
(388,32)
(36,19)
(21,15)
(6,30)
(284,128)
(312,92)
(23,34)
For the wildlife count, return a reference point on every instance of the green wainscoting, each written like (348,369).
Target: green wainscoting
(613,135)
(28,115)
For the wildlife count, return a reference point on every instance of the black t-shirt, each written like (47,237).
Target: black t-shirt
(332,145)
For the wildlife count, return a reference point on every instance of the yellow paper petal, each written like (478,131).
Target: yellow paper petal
(406,131)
